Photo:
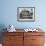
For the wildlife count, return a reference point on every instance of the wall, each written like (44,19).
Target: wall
(9,13)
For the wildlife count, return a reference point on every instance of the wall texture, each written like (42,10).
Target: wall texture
(9,13)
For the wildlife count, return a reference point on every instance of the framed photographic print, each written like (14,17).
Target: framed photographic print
(26,14)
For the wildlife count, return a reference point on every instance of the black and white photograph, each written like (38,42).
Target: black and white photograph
(26,14)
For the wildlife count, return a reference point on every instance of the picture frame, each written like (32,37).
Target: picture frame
(26,14)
